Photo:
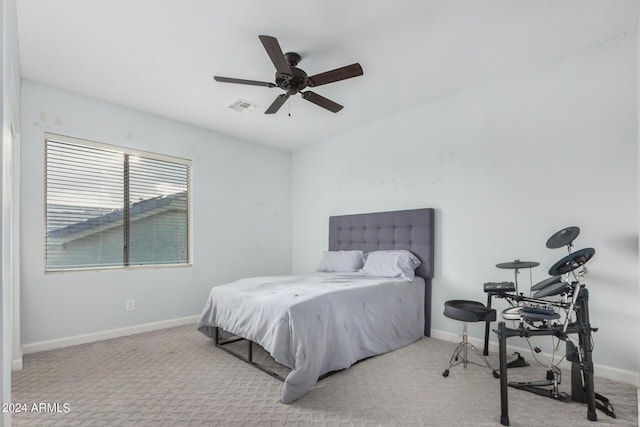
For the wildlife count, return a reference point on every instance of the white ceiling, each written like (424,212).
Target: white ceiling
(160,56)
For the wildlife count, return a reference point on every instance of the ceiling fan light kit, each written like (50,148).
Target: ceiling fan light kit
(293,80)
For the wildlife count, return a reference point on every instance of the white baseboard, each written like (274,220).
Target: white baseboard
(615,374)
(105,335)
(16,365)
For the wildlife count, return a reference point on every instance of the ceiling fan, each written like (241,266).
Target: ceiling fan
(293,80)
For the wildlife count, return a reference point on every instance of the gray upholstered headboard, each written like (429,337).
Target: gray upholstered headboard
(409,229)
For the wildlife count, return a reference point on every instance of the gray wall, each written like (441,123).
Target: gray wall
(241,196)
(506,163)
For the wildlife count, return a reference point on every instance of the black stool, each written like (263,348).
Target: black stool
(467,311)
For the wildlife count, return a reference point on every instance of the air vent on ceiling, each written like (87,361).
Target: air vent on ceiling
(242,106)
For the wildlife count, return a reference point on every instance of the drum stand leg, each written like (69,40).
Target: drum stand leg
(502,351)
(582,385)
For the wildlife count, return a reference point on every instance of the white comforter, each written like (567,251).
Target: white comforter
(320,322)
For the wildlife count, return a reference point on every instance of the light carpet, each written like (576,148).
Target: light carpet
(176,377)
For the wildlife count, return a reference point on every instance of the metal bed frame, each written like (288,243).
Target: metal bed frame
(249,359)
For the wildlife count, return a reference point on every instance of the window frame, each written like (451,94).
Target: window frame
(127,151)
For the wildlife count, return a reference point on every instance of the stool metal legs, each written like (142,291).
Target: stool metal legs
(463,347)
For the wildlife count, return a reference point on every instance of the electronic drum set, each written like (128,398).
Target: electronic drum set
(557,306)
(566,276)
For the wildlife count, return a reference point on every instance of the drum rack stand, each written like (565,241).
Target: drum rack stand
(582,386)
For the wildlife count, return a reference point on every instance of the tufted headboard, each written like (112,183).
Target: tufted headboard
(409,229)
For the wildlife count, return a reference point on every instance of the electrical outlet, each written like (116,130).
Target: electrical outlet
(131,305)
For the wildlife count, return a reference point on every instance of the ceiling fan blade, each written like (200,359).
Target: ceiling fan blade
(274,51)
(242,81)
(275,106)
(322,101)
(336,75)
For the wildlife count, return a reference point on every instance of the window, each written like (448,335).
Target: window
(110,207)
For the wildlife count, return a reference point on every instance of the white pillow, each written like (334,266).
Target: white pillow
(341,261)
(397,264)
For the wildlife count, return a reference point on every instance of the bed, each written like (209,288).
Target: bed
(320,323)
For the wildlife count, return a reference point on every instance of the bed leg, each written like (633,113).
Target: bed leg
(216,336)
(250,350)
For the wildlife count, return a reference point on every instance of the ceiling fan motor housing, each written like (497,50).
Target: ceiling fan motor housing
(297,80)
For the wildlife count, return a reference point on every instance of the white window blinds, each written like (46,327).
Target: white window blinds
(108,207)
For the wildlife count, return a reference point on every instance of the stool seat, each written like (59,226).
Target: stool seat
(468,311)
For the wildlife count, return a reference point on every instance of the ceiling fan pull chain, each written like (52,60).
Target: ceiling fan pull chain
(289,106)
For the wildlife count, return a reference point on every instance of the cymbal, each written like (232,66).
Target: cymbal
(545,283)
(563,237)
(554,289)
(516,263)
(572,261)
